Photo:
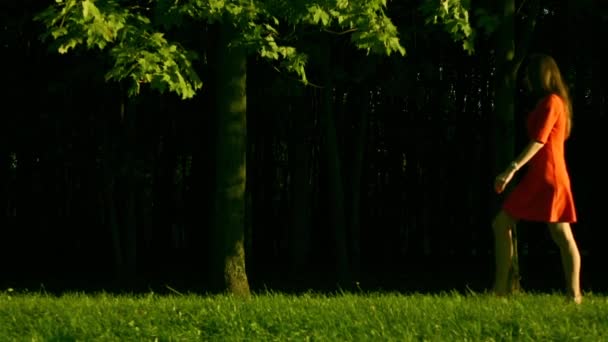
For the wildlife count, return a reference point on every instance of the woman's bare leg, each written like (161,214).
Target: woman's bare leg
(503,251)
(571,259)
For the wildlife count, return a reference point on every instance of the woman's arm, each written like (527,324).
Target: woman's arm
(528,152)
(501,181)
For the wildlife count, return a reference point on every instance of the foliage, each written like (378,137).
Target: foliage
(453,15)
(134,34)
(140,53)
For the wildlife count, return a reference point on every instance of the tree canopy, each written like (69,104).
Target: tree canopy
(134,34)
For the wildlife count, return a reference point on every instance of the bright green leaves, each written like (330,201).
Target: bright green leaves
(148,58)
(342,4)
(71,23)
(264,41)
(372,30)
(236,11)
(258,22)
(58,19)
(90,10)
(271,50)
(375,32)
(454,16)
(102,28)
(140,54)
(317,15)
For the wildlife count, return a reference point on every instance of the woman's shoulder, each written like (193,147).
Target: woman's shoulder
(549,100)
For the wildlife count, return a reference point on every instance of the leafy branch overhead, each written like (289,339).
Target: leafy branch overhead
(453,15)
(133,35)
(140,53)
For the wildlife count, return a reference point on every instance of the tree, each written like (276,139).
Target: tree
(510,54)
(135,39)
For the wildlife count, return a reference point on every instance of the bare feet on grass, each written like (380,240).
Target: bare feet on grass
(578,299)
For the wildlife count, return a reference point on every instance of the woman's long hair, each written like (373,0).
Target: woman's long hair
(544,78)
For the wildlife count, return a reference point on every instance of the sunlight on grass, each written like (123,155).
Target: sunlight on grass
(280,317)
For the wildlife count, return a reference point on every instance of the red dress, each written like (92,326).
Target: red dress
(544,193)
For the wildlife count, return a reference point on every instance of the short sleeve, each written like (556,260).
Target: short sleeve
(543,118)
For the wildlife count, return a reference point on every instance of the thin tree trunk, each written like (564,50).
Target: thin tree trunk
(504,126)
(201,197)
(300,159)
(128,113)
(6,228)
(361,101)
(109,201)
(508,59)
(334,172)
(229,229)
(165,166)
(4,181)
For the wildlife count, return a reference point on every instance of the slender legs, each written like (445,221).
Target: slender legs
(503,251)
(571,259)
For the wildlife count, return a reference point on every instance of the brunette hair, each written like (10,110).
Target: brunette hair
(544,78)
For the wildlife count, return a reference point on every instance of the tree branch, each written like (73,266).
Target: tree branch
(295,79)
(529,25)
(520,6)
(340,33)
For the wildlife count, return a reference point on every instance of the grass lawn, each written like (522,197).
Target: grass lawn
(372,316)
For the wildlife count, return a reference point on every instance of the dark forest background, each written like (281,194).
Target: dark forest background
(98,190)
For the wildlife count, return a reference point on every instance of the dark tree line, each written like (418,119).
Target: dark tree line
(378,172)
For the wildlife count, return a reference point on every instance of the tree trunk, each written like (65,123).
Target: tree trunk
(508,59)
(5,166)
(6,228)
(300,160)
(130,224)
(228,259)
(109,200)
(333,164)
(164,170)
(361,101)
(504,127)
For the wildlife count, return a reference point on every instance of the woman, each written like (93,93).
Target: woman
(544,193)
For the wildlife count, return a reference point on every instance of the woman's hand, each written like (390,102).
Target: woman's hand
(501,181)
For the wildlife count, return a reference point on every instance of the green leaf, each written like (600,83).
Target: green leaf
(142,54)
(72,43)
(468,46)
(89,9)
(453,15)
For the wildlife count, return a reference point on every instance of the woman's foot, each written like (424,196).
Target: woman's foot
(578,299)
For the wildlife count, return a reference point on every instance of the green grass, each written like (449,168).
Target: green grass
(316,317)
